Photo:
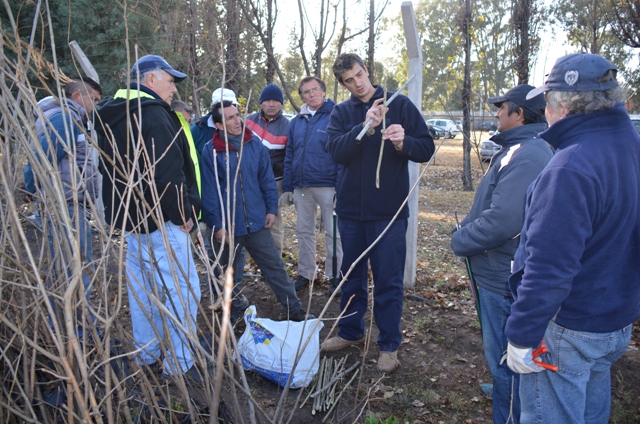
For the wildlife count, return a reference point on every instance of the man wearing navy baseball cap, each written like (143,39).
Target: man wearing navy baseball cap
(150,192)
(488,235)
(576,273)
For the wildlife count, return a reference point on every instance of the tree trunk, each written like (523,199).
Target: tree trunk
(467,181)
(371,41)
(521,19)
(232,61)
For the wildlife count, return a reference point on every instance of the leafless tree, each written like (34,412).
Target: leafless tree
(626,22)
(322,35)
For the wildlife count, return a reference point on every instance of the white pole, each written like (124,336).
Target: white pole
(414,52)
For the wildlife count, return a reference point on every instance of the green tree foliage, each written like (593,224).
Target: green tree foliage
(100,30)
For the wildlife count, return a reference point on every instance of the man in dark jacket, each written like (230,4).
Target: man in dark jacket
(489,234)
(272,130)
(253,197)
(310,177)
(364,210)
(150,192)
(576,273)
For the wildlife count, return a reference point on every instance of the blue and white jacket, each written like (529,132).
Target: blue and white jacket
(489,234)
(62,135)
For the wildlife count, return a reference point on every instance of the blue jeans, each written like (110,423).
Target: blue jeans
(387,266)
(580,392)
(162,272)
(262,249)
(496,308)
(83,229)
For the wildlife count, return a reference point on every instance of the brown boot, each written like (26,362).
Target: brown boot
(388,362)
(337,343)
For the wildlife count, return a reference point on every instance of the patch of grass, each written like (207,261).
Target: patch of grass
(421,323)
(622,405)
(373,419)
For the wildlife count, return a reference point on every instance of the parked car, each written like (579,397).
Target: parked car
(487,149)
(635,120)
(447,124)
(437,132)
(485,125)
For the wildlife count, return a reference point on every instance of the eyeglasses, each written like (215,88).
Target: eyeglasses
(313,90)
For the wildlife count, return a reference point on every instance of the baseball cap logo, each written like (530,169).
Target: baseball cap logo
(571,77)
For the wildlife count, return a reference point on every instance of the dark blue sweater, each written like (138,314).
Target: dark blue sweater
(357,195)
(579,254)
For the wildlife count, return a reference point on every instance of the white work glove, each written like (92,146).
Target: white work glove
(286,199)
(520,360)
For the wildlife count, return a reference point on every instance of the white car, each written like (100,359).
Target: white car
(447,124)
(635,120)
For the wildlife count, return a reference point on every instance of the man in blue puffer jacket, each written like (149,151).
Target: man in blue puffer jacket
(576,273)
(310,177)
(253,196)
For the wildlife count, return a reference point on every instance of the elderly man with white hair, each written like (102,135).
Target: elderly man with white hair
(150,192)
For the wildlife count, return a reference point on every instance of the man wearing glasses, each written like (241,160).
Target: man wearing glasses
(310,177)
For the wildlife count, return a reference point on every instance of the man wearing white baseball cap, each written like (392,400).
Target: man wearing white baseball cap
(204,127)
(576,273)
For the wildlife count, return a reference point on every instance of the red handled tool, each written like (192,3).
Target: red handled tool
(539,351)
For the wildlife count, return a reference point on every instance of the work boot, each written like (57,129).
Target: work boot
(301,283)
(388,362)
(238,305)
(337,343)
(300,315)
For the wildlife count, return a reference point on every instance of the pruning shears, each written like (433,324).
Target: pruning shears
(539,351)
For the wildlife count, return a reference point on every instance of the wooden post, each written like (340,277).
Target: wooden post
(91,72)
(414,52)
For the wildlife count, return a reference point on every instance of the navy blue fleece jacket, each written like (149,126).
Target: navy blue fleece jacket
(579,253)
(357,195)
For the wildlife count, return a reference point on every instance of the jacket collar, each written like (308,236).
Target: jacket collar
(519,134)
(275,118)
(220,144)
(327,106)
(574,127)
(378,94)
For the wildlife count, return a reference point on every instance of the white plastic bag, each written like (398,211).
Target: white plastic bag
(270,347)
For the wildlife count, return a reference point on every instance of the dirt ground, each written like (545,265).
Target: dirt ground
(441,354)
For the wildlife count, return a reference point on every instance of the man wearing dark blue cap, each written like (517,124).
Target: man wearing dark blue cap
(150,192)
(489,234)
(576,273)
(272,128)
